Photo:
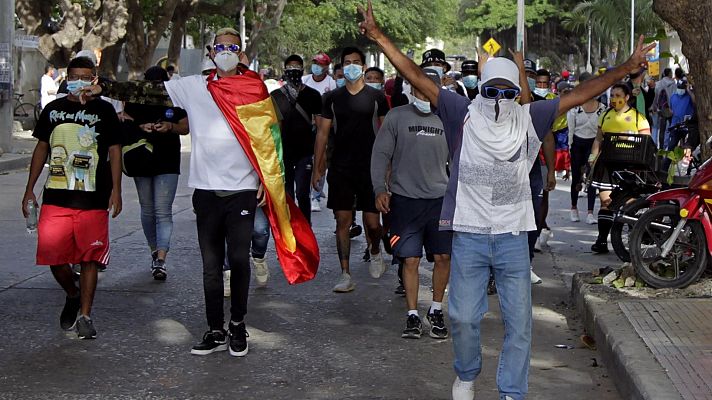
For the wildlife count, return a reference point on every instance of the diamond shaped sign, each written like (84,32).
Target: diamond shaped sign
(492,47)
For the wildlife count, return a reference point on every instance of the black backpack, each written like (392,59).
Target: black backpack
(136,151)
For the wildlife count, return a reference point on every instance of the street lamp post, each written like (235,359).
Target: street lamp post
(632,26)
(520,25)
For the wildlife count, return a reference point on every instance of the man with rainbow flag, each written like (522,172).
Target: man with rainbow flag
(236,163)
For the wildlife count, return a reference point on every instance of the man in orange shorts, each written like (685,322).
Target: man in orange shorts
(81,143)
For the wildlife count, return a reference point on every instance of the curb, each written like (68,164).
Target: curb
(11,162)
(634,369)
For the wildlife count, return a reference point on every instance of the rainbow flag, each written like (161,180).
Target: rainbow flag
(248,109)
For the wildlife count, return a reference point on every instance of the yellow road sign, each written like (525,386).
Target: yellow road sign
(492,47)
(654,68)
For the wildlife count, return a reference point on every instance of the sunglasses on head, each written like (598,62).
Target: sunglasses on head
(491,92)
(220,47)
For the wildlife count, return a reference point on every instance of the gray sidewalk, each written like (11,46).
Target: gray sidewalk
(305,341)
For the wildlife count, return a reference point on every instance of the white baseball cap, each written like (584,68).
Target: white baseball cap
(500,69)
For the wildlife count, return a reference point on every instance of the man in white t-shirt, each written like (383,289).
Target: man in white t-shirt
(226,186)
(48,86)
(319,78)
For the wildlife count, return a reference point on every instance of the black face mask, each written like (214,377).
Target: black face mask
(294,77)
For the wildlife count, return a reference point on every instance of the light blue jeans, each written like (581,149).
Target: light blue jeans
(507,255)
(156,195)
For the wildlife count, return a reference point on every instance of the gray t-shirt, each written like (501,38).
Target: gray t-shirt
(414,144)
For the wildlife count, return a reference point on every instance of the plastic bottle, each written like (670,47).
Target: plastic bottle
(32,212)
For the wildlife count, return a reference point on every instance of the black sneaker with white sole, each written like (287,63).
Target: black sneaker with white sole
(413,327)
(238,339)
(400,290)
(85,328)
(68,318)
(212,341)
(437,325)
(158,269)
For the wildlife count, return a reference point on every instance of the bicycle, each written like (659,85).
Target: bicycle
(25,109)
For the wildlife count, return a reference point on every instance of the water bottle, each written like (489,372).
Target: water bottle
(32,212)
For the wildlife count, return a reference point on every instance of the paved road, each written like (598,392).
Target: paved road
(305,341)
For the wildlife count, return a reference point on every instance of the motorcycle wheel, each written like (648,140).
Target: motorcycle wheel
(685,262)
(620,231)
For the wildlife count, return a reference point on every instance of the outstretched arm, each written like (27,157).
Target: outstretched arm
(400,61)
(596,86)
(139,92)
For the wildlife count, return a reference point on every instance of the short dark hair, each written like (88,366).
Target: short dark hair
(48,67)
(81,62)
(622,86)
(667,72)
(170,68)
(353,50)
(338,66)
(679,73)
(543,72)
(156,73)
(292,58)
(376,69)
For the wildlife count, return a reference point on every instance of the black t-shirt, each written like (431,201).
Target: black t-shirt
(298,135)
(79,138)
(166,146)
(355,122)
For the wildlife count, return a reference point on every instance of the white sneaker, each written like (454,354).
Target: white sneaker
(261,271)
(591,220)
(575,215)
(377,267)
(345,284)
(315,206)
(534,277)
(463,390)
(226,283)
(544,237)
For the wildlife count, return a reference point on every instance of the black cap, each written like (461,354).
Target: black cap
(529,65)
(469,66)
(435,55)
(293,57)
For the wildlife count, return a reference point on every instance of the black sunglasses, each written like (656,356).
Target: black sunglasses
(491,92)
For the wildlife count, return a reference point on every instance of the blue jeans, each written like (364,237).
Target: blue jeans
(260,234)
(156,195)
(473,255)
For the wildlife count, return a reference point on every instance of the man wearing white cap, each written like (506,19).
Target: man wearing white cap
(493,142)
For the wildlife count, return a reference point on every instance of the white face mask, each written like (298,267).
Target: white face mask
(422,105)
(542,92)
(680,92)
(496,110)
(226,61)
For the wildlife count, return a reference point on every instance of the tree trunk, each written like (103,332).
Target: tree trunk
(183,12)
(141,43)
(265,17)
(690,18)
(110,56)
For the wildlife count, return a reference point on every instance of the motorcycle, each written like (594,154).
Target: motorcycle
(670,243)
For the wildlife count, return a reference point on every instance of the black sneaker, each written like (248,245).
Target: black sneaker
(437,325)
(600,247)
(491,286)
(76,271)
(158,269)
(355,230)
(212,341)
(68,318)
(85,328)
(366,255)
(400,290)
(413,327)
(238,339)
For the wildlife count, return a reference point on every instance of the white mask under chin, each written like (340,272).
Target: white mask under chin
(226,60)
(496,110)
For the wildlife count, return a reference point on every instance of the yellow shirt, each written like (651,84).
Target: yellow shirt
(630,121)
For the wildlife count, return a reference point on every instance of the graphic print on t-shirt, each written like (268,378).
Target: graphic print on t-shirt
(73,151)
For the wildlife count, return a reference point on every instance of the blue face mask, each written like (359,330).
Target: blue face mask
(422,105)
(532,83)
(317,69)
(375,85)
(341,82)
(353,72)
(470,81)
(74,87)
(437,69)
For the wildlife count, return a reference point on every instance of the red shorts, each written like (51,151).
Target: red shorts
(71,236)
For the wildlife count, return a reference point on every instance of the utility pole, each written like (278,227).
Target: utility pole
(7,36)
(520,25)
(589,68)
(632,26)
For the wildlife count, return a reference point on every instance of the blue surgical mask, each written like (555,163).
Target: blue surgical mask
(532,83)
(437,69)
(375,85)
(74,87)
(470,81)
(422,105)
(341,82)
(353,72)
(317,69)
(541,92)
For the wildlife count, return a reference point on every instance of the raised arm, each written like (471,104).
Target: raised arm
(526,93)
(593,87)
(400,61)
(139,92)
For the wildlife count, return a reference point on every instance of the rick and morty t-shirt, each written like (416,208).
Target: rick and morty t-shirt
(79,137)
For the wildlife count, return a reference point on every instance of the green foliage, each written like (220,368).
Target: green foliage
(499,15)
